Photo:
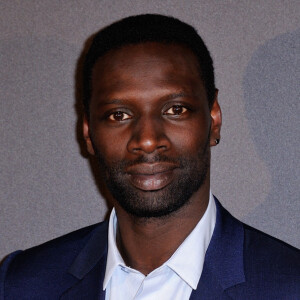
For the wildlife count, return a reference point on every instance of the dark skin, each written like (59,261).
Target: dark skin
(149,99)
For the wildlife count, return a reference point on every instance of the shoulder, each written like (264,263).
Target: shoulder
(45,267)
(261,251)
(264,253)
(262,243)
(268,268)
(272,267)
(57,251)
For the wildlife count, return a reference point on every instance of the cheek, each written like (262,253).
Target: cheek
(190,137)
(187,143)
(110,144)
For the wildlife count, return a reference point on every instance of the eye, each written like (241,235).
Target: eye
(119,116)
(176,110)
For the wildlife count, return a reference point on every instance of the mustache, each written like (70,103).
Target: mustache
(150,160)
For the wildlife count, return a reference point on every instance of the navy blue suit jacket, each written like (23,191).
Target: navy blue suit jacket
(240,263)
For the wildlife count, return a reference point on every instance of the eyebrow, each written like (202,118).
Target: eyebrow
(176,95)
(167,97)
(113,101)
(108,102)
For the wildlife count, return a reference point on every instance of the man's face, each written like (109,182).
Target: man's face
(150,127)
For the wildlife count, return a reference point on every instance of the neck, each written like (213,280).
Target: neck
(145,244)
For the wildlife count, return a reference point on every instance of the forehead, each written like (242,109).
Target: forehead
(146,59)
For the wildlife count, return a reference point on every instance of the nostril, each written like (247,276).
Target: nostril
(161,147)
(147,145)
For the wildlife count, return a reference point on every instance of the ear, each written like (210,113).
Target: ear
(86,135)
(216,122)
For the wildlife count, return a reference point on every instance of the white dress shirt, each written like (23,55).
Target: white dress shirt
(175,279)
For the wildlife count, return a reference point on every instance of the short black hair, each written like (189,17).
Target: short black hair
(148,28)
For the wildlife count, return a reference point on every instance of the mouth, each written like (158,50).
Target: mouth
(151,177)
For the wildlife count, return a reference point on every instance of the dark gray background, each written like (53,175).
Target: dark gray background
(47,186)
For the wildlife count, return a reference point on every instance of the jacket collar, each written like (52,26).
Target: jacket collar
(89,268)
(224,259)
(223,265)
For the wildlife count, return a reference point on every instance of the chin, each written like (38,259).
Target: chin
(159,203)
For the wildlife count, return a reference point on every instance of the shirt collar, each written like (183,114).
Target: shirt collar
(114,258)
(187,261)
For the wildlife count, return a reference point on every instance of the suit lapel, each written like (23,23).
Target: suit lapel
(89,268)
(223,265)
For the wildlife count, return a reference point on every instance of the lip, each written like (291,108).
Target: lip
(151,177)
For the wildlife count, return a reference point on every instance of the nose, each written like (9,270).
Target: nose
(148,136)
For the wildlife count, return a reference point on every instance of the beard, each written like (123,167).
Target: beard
(191,175)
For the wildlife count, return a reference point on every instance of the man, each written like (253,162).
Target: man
(151,116)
